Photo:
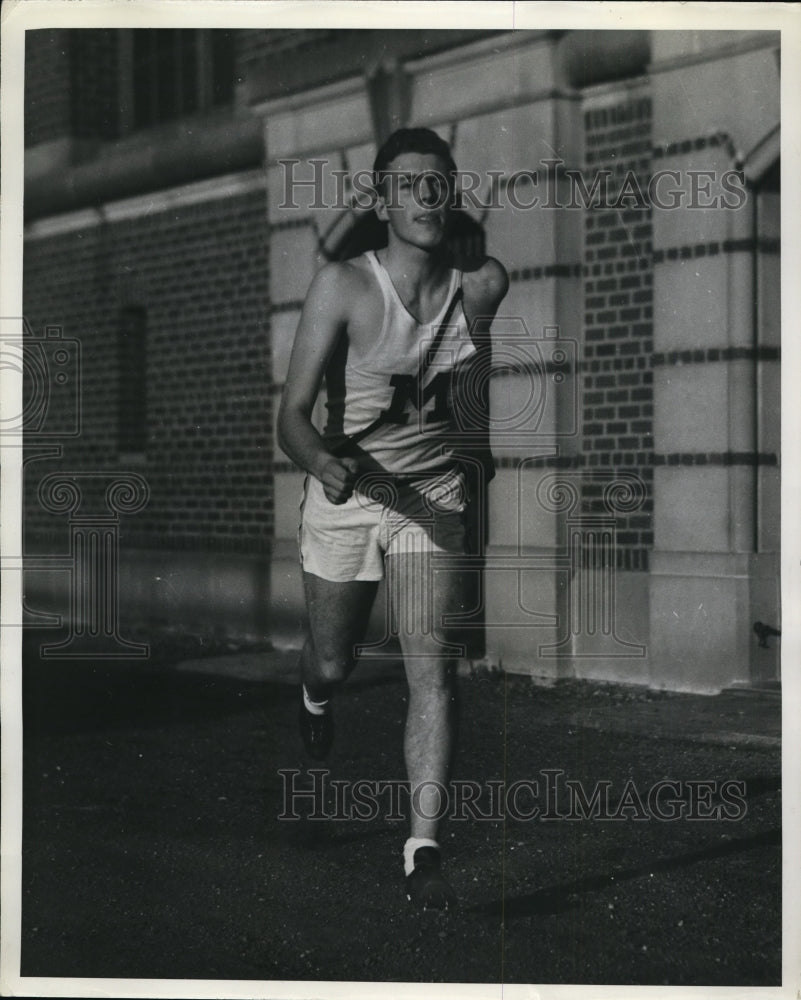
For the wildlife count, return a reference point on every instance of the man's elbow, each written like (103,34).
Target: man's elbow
(281,426)
(289,418)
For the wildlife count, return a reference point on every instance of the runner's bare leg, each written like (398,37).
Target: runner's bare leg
(338,616)
(419,597)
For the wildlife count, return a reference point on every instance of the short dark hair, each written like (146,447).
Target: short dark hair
(412,140)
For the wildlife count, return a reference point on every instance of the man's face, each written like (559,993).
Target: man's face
(416,199)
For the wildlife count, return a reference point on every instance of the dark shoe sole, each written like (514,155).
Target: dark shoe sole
(426,886)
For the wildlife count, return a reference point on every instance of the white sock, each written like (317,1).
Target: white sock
(410,847)
(315,707)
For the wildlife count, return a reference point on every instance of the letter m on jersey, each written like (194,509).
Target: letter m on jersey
(407,390)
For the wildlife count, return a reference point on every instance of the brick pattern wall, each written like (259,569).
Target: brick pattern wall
(617,381)
(47,86)
(201,273)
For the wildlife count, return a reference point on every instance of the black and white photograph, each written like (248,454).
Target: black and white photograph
(399,477)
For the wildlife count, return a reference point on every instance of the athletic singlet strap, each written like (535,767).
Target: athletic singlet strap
(425,363)
(391,294)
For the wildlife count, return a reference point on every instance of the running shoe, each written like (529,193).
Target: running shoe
(426,886)
(316,731)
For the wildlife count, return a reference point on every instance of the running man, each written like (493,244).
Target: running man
(390,331)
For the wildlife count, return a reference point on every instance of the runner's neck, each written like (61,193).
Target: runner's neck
(416,274)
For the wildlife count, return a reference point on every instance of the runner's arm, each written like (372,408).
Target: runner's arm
(485,289)
(322,322)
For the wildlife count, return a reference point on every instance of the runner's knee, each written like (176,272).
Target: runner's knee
(333,667)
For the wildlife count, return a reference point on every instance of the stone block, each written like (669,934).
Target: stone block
(523,238)
(738,95)
(703,302)
(691,509)
(293,263)
(631,626)
(699,634)
(521,614)
(700,215)
(691,408)
(452,90)
(308,190)
(337,120)
(516,517)
(532,301)
(517,410)
(510,140)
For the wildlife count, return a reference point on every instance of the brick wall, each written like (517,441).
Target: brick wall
(47,86)
(71,84)
(618,320)
(201,273)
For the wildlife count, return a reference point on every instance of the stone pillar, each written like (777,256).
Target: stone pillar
(706,352)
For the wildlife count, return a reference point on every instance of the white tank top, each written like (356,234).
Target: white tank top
(418,430)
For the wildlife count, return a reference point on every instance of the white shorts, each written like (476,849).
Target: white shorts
(385,516)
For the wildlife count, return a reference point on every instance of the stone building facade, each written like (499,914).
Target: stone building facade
(172,229)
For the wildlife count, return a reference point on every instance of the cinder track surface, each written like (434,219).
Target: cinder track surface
(153,848)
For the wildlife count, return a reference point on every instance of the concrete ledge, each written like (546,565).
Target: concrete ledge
(203,591)
(691,619)
(174,155)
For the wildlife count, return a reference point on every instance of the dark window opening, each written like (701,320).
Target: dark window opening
(222,67)
(179,71)
(132,386)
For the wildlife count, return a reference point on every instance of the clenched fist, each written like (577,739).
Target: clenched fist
(338,476)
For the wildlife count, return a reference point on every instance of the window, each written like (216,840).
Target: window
(179,71)
(132,386)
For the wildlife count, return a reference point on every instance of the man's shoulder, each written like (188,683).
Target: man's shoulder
(338,282)
(485,280)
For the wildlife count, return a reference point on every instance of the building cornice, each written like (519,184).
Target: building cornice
(187,152)
(756,41)
(226,186)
